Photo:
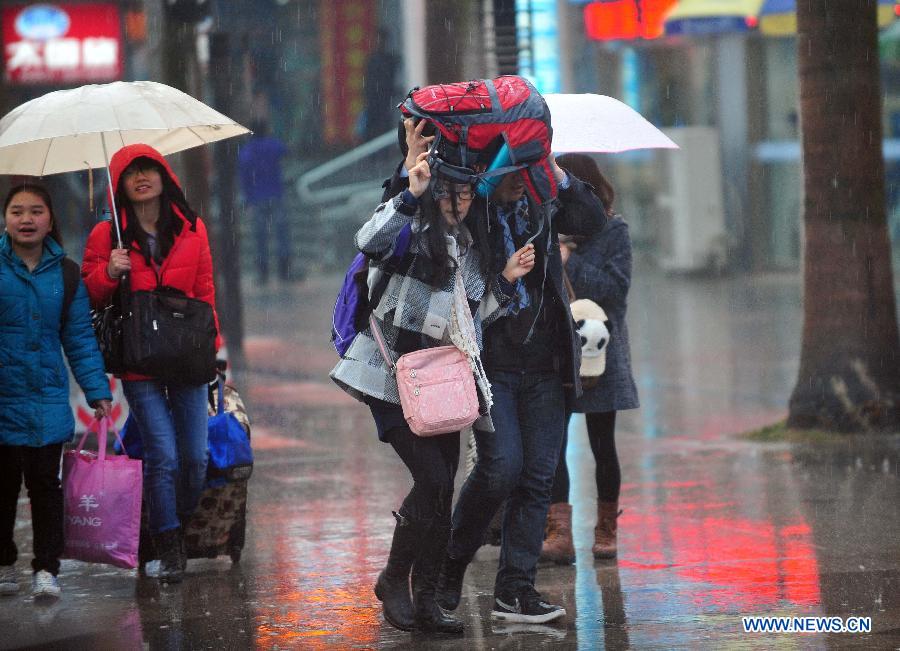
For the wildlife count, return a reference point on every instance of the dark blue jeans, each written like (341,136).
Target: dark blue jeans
(270,220)
(173,424)
(518,462)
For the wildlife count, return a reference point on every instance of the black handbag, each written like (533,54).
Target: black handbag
(107,322)
(169,336)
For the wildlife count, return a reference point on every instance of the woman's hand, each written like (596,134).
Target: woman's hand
(119,263)
(415,141)
(419,175)
(519,263)
(558,173)
(102,408)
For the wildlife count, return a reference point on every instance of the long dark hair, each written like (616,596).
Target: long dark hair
(168,226)
(41,192)
(585,168)
(443,268)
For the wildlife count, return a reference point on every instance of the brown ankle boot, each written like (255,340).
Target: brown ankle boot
(605,531)
(558,546)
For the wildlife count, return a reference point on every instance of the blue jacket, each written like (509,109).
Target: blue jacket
(34,384)
(259,166)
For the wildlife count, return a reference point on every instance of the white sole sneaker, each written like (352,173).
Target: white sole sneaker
(9,584)
(543,613)
(44,585)
(527,619)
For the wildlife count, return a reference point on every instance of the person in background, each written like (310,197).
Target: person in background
(259,169)
(165,244)
(380,106)
(36,327)
(599,268)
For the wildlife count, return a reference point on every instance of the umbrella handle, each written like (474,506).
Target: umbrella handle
(112,196)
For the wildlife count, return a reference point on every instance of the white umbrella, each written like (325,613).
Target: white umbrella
(597,123)
(70,130)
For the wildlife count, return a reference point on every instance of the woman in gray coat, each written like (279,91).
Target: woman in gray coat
(600,270)
(416,311)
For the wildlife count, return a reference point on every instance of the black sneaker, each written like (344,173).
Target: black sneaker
(526,607)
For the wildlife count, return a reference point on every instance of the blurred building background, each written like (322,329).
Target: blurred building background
(720,77)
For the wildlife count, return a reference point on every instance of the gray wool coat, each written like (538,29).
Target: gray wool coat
(411,314)
(600,270)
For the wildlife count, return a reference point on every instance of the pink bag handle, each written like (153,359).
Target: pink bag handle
(379,339)
(101,428)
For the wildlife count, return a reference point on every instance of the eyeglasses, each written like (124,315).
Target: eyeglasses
(443,191)
(139,168)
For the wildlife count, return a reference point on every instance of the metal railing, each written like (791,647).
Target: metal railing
(342,192)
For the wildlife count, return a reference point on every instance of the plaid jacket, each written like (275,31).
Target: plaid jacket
(412,314)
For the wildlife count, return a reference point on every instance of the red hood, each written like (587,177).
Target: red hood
(125,156)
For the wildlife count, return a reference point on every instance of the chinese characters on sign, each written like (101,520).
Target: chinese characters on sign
(58,44)
(345,37)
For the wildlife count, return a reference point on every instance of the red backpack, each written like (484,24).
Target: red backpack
(475,119)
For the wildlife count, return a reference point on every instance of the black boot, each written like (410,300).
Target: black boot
(182,551)
(392,586)
(168,548)
(449,582)
(429,616)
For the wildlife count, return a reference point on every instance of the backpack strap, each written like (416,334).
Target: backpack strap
(401,245)
(71,274)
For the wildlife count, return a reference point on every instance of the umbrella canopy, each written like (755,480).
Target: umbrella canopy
(77,129)
(779,17)
(597,123)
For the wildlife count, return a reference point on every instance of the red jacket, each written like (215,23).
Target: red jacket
(187,267)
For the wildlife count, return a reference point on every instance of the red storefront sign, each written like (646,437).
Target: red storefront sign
(62,44)
(346,33)
(626,19)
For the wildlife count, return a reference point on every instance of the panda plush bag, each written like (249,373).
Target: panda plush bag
(591,325)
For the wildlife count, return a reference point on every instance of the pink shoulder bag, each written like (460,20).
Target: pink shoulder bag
(436,385)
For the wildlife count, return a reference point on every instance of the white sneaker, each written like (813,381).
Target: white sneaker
(44,584)
(8,580)
(151,569)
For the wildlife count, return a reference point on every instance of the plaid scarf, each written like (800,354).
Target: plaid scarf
(519,217)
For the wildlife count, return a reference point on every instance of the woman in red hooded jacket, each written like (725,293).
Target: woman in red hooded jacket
(164,242)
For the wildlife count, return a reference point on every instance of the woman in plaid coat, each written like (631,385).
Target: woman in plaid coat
(415,313)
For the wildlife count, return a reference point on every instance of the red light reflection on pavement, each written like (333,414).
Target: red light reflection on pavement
(747,563)
(317,564)
(310,599)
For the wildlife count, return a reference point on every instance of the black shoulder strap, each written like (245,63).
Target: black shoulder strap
(71,274)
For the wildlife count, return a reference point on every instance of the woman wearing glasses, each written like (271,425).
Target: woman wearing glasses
(445,264)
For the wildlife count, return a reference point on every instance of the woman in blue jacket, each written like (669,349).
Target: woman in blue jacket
(35,416)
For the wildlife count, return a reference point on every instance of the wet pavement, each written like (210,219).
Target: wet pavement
(715,527)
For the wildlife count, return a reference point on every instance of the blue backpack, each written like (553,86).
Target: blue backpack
(353,305)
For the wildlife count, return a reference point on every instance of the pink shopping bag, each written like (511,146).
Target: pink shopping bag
(102,499)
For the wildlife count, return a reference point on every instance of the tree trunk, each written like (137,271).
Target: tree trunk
(228,241)
(849,377)
(446,23)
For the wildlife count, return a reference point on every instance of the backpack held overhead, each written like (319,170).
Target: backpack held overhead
(486,128)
